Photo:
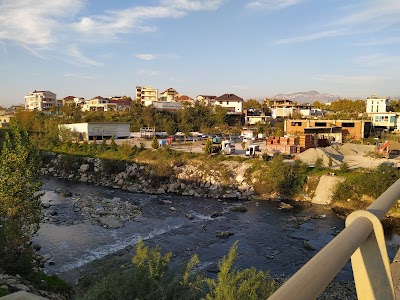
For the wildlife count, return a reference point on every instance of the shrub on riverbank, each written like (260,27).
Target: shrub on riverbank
(151,278)
(363,187)
(279,176)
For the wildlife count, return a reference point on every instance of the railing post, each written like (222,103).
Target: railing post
(370,262)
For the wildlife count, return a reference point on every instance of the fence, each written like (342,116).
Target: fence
(363,241)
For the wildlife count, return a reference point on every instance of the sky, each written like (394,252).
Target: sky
(254,49)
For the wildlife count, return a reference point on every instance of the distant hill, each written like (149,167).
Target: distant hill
(308,97)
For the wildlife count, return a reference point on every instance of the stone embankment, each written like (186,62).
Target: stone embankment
(224,180)
(12,284)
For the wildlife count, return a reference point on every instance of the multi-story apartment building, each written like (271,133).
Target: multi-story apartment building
(377,105)
(168,95)
(99,104)
(146,95)
(378,111)
(40,100)
(231,102)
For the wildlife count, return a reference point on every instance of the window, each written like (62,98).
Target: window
(392,119)
(297,123)
(320,124)
(348,125)
(377,118)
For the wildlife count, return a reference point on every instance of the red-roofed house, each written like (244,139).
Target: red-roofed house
(184,99)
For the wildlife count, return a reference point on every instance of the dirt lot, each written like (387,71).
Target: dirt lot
(354,154)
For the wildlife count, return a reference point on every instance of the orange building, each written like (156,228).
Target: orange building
(351,129)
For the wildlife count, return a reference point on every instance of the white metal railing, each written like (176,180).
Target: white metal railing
(363,241)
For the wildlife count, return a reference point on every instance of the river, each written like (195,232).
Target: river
(269,238)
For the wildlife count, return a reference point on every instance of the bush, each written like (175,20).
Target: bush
(154,143)
(150,277)
(344,167)
(112,166)
(319,164)
(281,177)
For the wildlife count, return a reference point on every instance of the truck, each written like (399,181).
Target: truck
(252,149)
(224,147)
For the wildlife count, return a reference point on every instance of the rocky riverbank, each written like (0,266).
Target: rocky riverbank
(225,180)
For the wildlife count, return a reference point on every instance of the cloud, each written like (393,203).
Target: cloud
(367,17)
(373,13)
(380,42)
(147,56)
(80,58)
(193,5)
(271,4)
(124,21)
(378,60)
(151,73)
(80,76)
(134,19)
(39,25)
(311,37)
(35,22)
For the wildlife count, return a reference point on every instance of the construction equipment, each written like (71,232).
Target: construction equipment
(383,148)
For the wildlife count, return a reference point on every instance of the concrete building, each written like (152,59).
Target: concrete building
(351,129)
(206,99)
(167,105)
(98,104)
(168,95)
(377,105)
(89,131)
(5,120)
(146,95)
(40,100)
(378,110)
(231,102)
(184,99)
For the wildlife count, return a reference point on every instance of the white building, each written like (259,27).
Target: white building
(378,111)
(89,131)
(146,95)
(377,105)
(40,100)
(231,102)
(168,95)
(167,105)
(99,104)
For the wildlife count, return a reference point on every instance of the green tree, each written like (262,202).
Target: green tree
(208,146)
(319,164)
(113,144)
(251,104)
(154,143)
(20,205)
(232,284)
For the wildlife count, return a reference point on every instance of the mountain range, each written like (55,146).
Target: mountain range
(308,97)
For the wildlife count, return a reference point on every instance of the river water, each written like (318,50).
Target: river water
(269,238)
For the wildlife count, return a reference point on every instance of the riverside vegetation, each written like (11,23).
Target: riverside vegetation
(266,179)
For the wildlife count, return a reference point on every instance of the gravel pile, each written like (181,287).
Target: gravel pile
(311,155)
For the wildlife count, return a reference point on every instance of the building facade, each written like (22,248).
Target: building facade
(377,105)
(351,129)
(90,131)
(40,100)
(168,95)
(231,102)
(146,95)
